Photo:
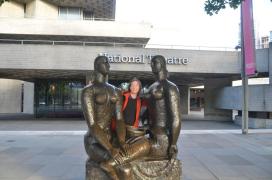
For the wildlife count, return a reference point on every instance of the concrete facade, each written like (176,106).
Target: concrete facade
(260,98)
(67,57)
(10,96)
(270,62)
(48,8)
(30,9)
(28,98)
(259,104)
(185,99)
(42,27)
(13,100)
(41,10)
(211,90)
(12,9)
(41,20)
(262,60)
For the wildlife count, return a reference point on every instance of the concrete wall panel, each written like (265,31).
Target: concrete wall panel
(262,60)
(67,57)
(212,89)
(10,96)
(46,24)
(260,98)
(28,98)
(270,62)
(12,9)
(45,10)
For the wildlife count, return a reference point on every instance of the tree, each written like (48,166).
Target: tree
(214,6)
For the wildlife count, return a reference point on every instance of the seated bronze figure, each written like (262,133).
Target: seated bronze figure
(141,156)
(101,102)
(165,114)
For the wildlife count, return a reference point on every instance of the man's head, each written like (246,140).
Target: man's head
(135,86)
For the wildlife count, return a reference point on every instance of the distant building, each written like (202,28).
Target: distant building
(265,42)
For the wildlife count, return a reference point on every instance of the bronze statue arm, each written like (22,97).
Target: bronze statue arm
(87,100)
(120,123)
(174,107)
(145,95)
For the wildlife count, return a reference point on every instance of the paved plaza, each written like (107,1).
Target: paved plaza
(54,150)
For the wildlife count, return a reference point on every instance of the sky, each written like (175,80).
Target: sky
(184,22)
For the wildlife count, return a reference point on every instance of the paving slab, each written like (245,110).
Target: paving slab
(50,157)
(54,150)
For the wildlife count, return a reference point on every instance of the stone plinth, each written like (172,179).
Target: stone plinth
(157,170)
(94,172)
(142,170)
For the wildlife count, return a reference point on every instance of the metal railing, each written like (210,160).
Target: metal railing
(27,16)
(80,43)
(113,44)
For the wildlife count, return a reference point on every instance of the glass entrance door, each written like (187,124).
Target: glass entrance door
(58,98)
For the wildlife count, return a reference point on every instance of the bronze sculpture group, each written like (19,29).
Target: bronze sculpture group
(128,152)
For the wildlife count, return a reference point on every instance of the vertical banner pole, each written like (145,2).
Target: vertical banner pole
(247,55)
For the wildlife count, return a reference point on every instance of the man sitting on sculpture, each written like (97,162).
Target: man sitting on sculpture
(133,107)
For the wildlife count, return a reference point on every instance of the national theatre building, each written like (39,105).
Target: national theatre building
(47,49)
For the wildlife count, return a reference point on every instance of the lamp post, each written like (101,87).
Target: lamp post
(247,55)
(245,91)
(244,81)
(244,120)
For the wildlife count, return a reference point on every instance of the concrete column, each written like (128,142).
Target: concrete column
(28,98)
(270,62)
(10,96)
(211,89)
(185,99)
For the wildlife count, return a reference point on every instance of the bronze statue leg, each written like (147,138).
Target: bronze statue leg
(95,151)
(129,153)
(125,172)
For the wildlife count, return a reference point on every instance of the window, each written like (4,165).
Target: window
(70,13)
(88,15)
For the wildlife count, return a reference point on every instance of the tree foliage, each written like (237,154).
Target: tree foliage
(214,6)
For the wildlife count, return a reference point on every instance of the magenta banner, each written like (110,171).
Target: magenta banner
(248,37)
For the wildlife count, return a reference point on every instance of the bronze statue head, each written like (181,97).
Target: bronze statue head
(158,66)
(102,65)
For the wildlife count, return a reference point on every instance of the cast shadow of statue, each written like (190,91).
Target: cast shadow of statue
(151,156)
